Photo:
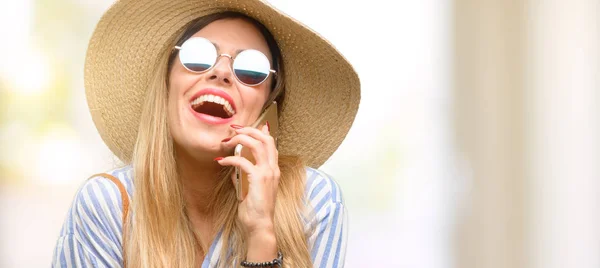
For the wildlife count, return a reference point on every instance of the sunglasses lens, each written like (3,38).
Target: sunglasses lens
(251,67)
(197,54)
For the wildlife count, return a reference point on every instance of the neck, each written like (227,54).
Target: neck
(199,179)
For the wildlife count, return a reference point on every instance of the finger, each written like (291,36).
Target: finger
(263,136)
(237,161)
(259,134)
(233,177)
(256,147)
(272,152)
(265,128)
(271,148)
(254,177)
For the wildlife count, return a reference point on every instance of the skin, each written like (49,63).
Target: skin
(198,143)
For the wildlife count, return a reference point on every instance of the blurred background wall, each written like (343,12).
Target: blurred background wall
(477,142)
(527,98)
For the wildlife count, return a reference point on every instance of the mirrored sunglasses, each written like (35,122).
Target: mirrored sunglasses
(250,67)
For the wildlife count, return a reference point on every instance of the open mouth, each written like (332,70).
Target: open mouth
(213,105)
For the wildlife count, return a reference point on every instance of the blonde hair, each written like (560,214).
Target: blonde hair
(159,232)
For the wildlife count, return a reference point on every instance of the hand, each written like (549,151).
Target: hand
(256,211)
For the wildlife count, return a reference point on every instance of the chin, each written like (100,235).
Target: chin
(203,147)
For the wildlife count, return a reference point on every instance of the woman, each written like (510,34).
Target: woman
(168,90)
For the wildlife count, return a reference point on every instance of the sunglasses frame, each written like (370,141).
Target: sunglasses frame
(232,59)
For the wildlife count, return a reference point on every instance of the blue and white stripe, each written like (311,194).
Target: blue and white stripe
(92,232)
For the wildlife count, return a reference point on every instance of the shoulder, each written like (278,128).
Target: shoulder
(98,203)
(123,174)
(321,187)
(92,231)
(323,197)
(103,193)
(326,226)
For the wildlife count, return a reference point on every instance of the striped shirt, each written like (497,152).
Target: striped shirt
(92,232)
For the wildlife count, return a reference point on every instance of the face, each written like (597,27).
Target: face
(199,129)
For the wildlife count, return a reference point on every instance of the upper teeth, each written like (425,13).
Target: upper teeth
(215,99)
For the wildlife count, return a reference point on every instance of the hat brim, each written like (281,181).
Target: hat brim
(322,89)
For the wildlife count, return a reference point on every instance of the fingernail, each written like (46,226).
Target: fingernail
(268,127)
(219,158)
(236,126)
(226,140)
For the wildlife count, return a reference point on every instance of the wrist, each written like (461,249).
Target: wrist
(262,246)
(275,262)
(263,238)
(260,230)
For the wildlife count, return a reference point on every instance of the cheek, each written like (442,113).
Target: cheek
(258,99)
(178,83)
(262,94)
(265,93)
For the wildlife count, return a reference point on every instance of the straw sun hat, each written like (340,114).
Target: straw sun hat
(322,89)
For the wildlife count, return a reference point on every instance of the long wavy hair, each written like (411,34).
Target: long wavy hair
(159,233)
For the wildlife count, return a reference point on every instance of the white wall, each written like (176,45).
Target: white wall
(564,117)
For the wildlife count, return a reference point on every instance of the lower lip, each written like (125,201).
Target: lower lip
(209,118)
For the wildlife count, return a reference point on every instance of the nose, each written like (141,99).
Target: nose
(221,72)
